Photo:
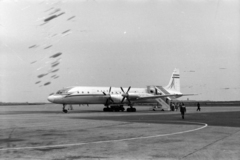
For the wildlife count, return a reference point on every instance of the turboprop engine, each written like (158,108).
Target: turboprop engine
(116,98)
(119,98)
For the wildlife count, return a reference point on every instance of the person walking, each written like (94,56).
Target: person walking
(198,107)
(182,110)
(173,106)
(176,106)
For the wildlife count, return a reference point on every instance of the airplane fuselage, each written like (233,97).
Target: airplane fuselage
(95,95)
(113,97)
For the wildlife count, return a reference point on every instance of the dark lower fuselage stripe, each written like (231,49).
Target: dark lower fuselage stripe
(86,95)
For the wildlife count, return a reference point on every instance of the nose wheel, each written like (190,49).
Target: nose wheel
(64,110)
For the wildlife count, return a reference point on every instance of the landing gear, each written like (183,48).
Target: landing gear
(122,108)
(118,108)
(107,109)
(64,110)
(114,108)
(131,109)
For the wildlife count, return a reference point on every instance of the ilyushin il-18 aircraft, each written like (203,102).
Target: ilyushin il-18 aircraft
(115,98)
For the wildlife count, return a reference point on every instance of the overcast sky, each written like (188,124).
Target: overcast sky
(119,43)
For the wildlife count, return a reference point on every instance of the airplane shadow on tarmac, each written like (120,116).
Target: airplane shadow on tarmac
(226,119)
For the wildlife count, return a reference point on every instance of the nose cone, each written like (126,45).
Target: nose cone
(50,98)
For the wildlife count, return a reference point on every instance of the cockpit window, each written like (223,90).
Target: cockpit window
(63,91)
(59,92)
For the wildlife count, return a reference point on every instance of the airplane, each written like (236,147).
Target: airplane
(115,98)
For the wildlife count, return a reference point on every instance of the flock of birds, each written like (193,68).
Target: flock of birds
(53,14)
(55,59)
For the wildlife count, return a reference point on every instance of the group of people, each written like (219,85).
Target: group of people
(183,110)
(174,107)
(181,106)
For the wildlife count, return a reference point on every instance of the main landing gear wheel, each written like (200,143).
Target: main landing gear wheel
(107,109)
(122,108)
(114,108)
(131,110)
(64,110)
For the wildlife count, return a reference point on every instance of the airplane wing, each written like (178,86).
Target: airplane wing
(162,96)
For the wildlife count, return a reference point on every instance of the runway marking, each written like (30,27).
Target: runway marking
(107,141)
(204,147)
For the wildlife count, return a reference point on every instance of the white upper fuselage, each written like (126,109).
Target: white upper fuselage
(119,96)
(96,95)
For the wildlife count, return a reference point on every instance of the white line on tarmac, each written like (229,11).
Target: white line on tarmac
(117,140)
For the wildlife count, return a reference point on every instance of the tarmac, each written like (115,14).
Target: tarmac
(45,132)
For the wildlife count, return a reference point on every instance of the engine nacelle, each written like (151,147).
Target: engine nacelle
(151,89)
(133,95)
(117,98)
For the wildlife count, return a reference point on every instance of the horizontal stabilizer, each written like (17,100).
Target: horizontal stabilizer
(190,94)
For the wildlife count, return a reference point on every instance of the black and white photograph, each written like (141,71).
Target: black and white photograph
(119,79)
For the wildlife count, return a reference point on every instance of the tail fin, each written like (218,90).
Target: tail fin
(174,83)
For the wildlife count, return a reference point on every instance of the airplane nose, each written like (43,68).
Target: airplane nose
(50,98)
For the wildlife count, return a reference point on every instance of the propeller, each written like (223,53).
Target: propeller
(109,96)
(126,95)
